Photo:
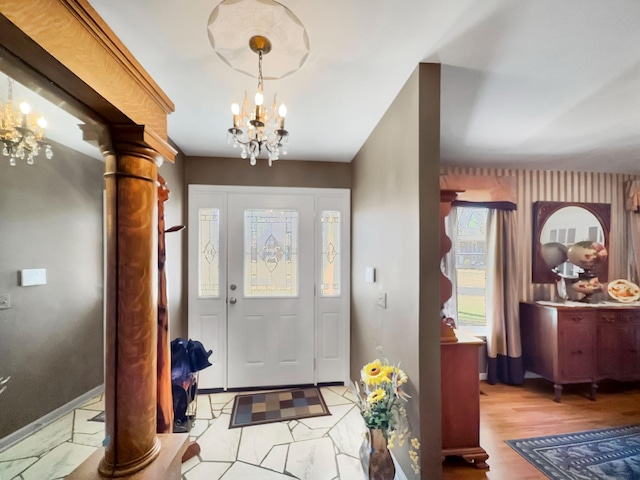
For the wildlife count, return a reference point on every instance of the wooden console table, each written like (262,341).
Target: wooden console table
(461,400)
(576,344)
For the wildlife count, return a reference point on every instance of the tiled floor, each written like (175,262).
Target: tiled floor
(319,448)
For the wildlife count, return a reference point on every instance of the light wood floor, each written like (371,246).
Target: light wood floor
(520,412)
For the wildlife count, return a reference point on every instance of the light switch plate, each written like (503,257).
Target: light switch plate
(369,274)
(33,276)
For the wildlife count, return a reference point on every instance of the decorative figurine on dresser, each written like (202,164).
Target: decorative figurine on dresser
(592,329)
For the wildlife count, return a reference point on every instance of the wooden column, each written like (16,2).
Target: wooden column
(131,171)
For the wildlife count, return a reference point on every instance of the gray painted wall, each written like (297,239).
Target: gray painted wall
(395,211)
(51,340)
(174,214)
(283,173)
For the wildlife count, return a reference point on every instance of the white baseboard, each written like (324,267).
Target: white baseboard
(49,418)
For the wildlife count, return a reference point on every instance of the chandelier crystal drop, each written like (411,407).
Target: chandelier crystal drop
(258,127)
(21,131)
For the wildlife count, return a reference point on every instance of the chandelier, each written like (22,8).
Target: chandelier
(21,131)
(258,127)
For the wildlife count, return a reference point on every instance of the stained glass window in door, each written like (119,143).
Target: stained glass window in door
(270,253)
(330,285)
(209,253)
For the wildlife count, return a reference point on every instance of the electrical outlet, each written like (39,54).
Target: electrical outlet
(5,301)
(382,299)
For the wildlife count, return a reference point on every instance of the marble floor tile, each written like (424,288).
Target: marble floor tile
(337,412)
(258,440)
(349,396)
(204,410)
(339,389)
(82,422)
(347,434)
(318,448)
(222,398)
(312,460)
(244,471)
(208,471)
(42,441)
(219,443)
(59,462)
(189,464)
(349,468)
(302,432)
(276,458)
(12,468)
(332,398)
(96,404)
(199,427)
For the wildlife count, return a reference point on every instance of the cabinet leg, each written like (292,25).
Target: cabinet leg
(479,460)
(557,392)
(594,390)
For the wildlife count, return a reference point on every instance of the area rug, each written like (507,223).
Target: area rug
(607,454)
(277,406)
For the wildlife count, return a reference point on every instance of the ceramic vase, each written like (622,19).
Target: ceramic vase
(377,463)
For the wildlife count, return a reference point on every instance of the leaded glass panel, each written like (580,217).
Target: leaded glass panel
(209,249)
(270,253)
(330,286)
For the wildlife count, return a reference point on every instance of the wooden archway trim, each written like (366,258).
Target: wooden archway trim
(80,41)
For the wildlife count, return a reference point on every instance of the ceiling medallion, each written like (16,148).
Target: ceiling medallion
(266,27)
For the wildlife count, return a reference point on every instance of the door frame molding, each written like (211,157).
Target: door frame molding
(320,195)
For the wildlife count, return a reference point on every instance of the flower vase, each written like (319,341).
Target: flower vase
(377,463)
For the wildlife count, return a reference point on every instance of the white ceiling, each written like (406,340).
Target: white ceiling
(530,83)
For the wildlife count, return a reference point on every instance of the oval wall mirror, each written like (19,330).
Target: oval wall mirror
(559,225)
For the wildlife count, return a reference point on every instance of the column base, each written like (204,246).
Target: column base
(166,466)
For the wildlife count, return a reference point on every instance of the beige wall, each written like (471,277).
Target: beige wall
(558,186)
(395,205)
(51,340)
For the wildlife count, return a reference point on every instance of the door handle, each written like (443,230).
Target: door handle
(233,300)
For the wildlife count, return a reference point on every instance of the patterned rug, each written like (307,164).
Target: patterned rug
(607,454)
(276,406)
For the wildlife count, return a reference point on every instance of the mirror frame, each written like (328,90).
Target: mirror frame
(542,210)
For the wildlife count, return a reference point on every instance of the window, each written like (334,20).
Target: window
(330,286)
(209,248)
(469,249)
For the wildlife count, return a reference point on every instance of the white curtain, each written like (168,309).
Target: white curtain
(503,324)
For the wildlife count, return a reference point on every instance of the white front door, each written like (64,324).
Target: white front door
(255,254)
(270,290)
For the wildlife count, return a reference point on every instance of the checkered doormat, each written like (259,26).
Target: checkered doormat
(277,406)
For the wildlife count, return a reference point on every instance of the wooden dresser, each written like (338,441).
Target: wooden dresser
(461,400)
(575,344)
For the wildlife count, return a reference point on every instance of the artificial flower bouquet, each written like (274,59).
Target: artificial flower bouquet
(380,397)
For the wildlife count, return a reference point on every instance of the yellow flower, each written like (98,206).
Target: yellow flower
(372,369)
(376,396)
(374,373)
(415,443)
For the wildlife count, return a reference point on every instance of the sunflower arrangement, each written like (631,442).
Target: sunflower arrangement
(380,397)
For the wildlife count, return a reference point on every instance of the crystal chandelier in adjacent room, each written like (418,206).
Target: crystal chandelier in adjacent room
(259,127)
(21,131)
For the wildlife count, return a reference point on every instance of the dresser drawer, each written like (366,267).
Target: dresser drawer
(568,317)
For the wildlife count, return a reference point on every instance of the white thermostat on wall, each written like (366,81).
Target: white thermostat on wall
(33,276)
